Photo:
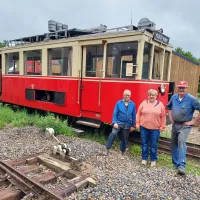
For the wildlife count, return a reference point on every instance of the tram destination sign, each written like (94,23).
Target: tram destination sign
(161,37)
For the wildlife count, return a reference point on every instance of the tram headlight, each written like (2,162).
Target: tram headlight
(162,89)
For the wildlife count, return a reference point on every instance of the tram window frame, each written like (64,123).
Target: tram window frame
(146,60)
(166,65)
(94,54)
(37,63)
(120,65)
(157,52)
(13,59)
(65,60)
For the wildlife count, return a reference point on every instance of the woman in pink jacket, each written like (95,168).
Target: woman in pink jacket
(150,119)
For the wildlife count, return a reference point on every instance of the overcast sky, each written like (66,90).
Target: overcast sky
(180,19)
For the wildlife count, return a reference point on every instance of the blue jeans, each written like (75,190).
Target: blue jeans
(152,137)
(178,144)
(123,136)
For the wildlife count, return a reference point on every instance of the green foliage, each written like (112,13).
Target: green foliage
(192,166)
(21,118)
(165,134)
(57,124)
(135,150)
(3,44)
(2,124)
(100,138)
(187,54)
(6,114)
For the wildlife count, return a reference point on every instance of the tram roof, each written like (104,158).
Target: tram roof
(75,34)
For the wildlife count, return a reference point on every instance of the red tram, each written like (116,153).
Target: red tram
(83,73)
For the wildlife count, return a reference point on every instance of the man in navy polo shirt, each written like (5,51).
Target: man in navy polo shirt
(181,108)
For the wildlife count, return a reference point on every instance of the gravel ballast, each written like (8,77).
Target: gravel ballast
(116,178)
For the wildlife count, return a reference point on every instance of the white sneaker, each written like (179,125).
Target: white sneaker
(153,164)
(144,162)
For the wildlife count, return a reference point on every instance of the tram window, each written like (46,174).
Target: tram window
(12,63)
(94,60)
(50,96)
(166,64)
(156,71)
(121,60)
(60,61)
(33,62)
(146,60)
(43,95)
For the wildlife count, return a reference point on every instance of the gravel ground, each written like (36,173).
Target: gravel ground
(194,136)
(117,179)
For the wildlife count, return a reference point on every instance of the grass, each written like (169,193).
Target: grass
(165,134)
(96,137)
(192,166)
(135,150)
(21,118)
(164,160)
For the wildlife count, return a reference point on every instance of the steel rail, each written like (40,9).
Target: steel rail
(28,184)
(193,150)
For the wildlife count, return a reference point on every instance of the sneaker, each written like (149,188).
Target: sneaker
(144,162)
(181,172)
(106,152)
(175,167)
(122,155)
(153,164)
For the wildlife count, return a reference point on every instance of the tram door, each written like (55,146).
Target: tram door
(91,78)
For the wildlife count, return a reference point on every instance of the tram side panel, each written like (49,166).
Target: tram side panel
(112,91)
(59,95)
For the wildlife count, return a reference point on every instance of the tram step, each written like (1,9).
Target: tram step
(88,123)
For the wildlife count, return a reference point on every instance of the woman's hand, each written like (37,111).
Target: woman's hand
(162,128)
(138,127)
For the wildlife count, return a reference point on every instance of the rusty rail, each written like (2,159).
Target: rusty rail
(15,181)
(25,184)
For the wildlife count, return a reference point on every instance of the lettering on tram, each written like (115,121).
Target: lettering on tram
(71,71)
(160,37)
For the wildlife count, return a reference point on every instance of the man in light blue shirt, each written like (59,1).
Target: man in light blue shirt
(181,108)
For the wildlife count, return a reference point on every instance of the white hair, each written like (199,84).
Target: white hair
(152,91)
(127,91)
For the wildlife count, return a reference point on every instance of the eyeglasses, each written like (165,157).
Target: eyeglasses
(127,95)
(151,95)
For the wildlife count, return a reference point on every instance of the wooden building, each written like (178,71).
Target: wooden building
(183,68)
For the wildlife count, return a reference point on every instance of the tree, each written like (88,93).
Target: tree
(3,44)
(187,54)
(179,50)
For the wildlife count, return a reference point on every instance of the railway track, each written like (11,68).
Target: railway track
(193,150)
(43,177)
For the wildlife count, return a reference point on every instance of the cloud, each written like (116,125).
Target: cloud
(179,19)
